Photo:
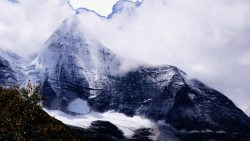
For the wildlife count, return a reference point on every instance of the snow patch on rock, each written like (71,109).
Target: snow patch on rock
(79,106)
(126,124)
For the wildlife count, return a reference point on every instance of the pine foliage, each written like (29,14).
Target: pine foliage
(22,118)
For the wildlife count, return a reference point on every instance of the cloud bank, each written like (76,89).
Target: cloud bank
(26,24)
(208,39)
(95,5)
(102,7)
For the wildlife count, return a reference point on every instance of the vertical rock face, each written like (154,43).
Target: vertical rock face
(135,91)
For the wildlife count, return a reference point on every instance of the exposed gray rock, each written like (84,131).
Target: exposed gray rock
(7,75)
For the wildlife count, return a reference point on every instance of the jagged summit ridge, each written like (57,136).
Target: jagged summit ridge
(73,63)
(69,42)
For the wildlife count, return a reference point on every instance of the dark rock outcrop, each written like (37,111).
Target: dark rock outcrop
(164,93)
(102,131)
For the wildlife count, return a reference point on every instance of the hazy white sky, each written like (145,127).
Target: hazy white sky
(208,39)
(26,25)
(102,7)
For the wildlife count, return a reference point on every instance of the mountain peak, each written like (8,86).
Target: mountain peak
(69,42)
(75,59)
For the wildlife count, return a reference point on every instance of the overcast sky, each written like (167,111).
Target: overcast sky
(208,39)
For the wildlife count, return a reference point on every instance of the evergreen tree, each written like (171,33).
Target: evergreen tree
(22,117)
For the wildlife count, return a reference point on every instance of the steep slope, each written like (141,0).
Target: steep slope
(248,111)
(9,55)
(196,104)
(17,64)
(21,119)
(73,65)
(165,94)
(7,75)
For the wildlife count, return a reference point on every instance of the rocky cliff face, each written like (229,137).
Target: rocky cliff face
(165,94)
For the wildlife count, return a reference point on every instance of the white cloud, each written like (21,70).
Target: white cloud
(26,25)
(102,7)
(208,39)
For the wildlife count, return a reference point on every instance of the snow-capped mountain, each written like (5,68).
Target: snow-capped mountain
(72,65)
(80,75)
(166,94)
(75,65)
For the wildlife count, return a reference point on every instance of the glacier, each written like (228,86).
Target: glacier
(127,124)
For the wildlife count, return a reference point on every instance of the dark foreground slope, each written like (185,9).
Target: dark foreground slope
(21,119)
